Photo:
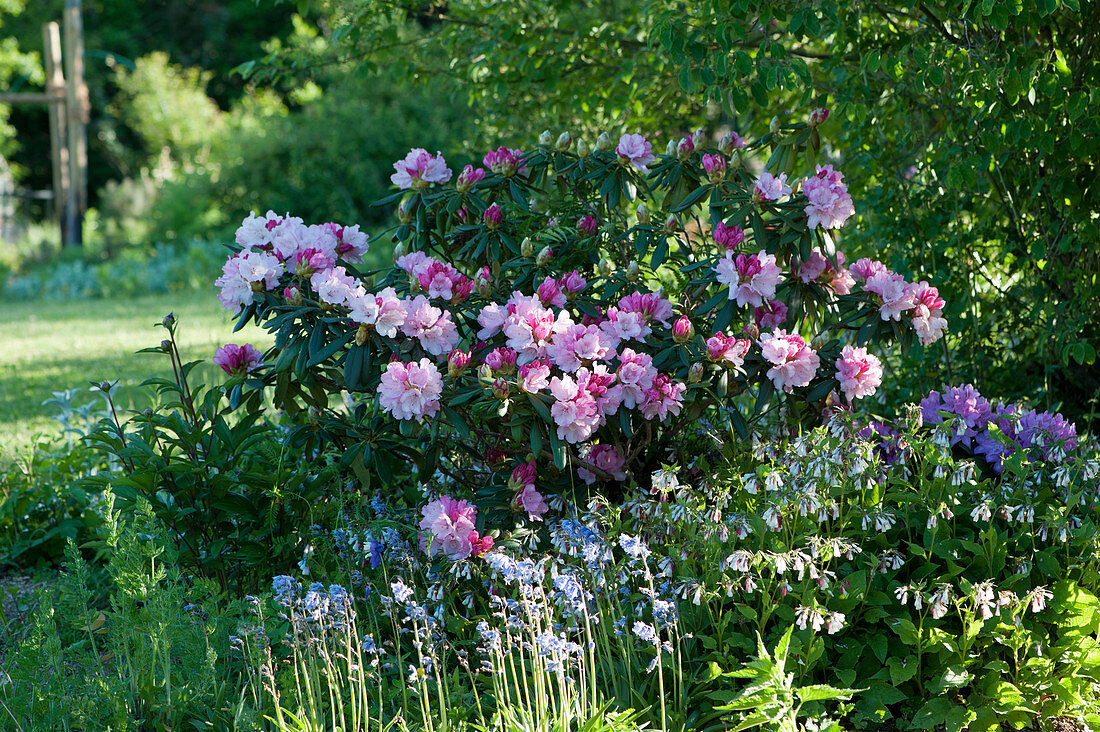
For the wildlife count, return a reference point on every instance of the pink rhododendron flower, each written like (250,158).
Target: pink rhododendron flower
(447,525)
(255,231)
(244,274)
(927,313)
(635,376)
(550,293)
(770,188)
(363,307)
(574,411)
(600,385)
(813,267)
(770,315)
(895,294)
(529,326)
(722,348)
(523,475)
(752,278)
(502,360)
(605,457)
(587,225)
(420,169)
(829,203)
(534,376)
(729,237)
(309,261)
(573,283)
(682,330)
(731,141)
(793,362)
(457,363)
(864,269)
(391,313)
(431,326)
(440,280)
(859,372)
(238,360)
(636,151)
(632,319)
(504,161)
(480,545)
(415,264)
(576,345)
(468,178)
(351,243)
(665,397)
(715,167)
(491,319)
(410,390)
(531,501)
(839,278)
(334,286)
(492,216)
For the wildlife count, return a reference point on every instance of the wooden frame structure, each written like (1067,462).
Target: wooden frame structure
(67,97)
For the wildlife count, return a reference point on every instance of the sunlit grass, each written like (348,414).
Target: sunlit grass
(52,346)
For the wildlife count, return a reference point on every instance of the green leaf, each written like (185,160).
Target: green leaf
(818,692)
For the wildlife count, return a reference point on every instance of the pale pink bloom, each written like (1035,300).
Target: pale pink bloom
(636,151)
(608,459)
(420,169)
(859,372)
(729,237)
(391,312)
(534,376)
(531,501)
(728,349)
(829,205)
(550,293)
(663,398)
(794,363)
(410,390)
(635,375)
(927,313)
(864,269)
(238,360)
(415,263)
(813,267)
(363,307)
(895,294)
(600,384)
(633,318)
(245,273)
(447,524)
(576,345)
(255,231)
(770,315)
(751,278)
(491,319)
(523,475)
(574,411)
(529,325)
(770,188)
(351,244)
(650,305)
(624,326)
(334,286)
(431,326)
(839,278)
(291,236)
(439,280)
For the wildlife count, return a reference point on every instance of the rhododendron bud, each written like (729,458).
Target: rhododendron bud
(670,148)
(485,374)
(493,456)
(699,137)
(682,330)
(633,271)
(399,250)
(605,267)
(730,142)
(405,210)
(361,334)
(493,216)
(544,256)
(751,331)
(572,283)
(546,138)
(642,212)
(735,160)
(292,295)
(469,176)
(685,148)
(695,372)
(818,116)
(672,224)
(502,361)
(773,126)
(457,363)
(582,148)
(483,282)
(715,165)
(500,389)
(564,141)
(603,142)
(523,475)
(587,225)
(729,237)
(526,248)
(770,315)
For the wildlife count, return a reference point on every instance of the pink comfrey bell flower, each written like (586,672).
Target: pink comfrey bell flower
(410,390)
(829,204)
(238,360)
(794,363)
(751,278)
(859,372)
(770,188)
(420,169)
(531,501)
(636,151)
(729,237)
(608,459)
(447,525)
(770,315)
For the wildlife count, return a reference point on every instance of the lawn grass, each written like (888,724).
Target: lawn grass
(51,346)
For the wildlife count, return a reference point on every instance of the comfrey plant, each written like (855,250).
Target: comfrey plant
(565,311)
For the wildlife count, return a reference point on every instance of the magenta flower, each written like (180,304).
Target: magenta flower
(731,141)
(859,372)
(682,330)
(238,360)
(829,204)
(722,348)
(608,459)
(635,150)
(587,225)
(573,283)
(770,188)
(575,345)
(927,313)
(770,315)
(715,166)
(502,361)
(574,411)
(420,169)
(523,475)
(665,397)
(813,267)
(457,363)
(492,216)
(864,269)
(531,501)
(729,237)
(504,161)
(752,278)
(818,116)
(468,178)
(550,293)
(635,376)
(410,390)
(793,362)
(447,525)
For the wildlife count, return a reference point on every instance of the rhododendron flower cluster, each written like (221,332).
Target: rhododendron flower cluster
(751,278)
(420,169)
(771,188)
(859,372)
(238,360)
(636,151)
(447,527)
(829,203)
(410,390)
(793,362)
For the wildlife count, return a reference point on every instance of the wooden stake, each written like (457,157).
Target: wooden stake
(59,151)
(77,112)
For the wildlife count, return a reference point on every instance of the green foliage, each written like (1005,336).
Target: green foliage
(205,452)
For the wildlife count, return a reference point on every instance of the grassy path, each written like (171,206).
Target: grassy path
(52,346)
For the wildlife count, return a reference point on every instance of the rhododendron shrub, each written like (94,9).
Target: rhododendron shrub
(572,308)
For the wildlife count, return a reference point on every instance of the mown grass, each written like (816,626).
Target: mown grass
(52,346)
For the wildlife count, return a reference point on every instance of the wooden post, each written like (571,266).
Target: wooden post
(59,151)
(77,113)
